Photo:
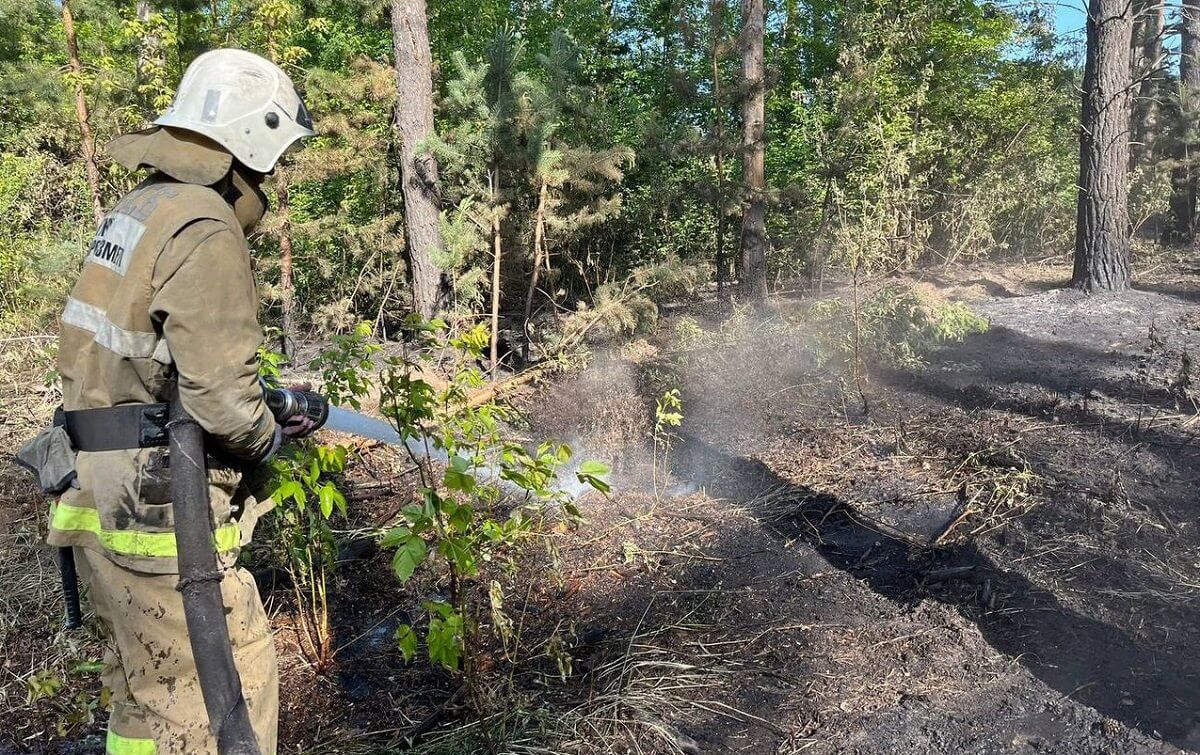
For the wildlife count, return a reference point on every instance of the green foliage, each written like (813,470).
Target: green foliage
(36,258)
(346,366)
(897,133)
(305,485)
(488,495)
(308,498)
(896,326)
(668,415)
(271,362)
(51,688)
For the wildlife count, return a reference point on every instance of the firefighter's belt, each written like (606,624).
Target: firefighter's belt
(118,427)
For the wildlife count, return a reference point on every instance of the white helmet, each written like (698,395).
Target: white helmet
(245,103)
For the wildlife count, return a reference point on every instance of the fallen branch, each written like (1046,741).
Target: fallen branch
(497,390)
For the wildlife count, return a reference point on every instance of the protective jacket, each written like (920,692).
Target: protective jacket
(165,303)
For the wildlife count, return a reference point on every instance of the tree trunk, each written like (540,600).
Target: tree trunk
(418,173)
(495,345)
(539,242)
(716,10)
(287,290)
(151,62)
(820,248)
(1183,150)
(1102,219)
(88,142)
(754,216)
(1147,71)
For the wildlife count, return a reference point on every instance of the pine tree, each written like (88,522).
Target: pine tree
(418,169)
(1102,221)
(87,141)
(754,217)
(1185,176)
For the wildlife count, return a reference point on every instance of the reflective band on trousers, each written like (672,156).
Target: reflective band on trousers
(118,745)
(132,542)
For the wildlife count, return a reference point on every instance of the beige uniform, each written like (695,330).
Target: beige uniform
(166,302)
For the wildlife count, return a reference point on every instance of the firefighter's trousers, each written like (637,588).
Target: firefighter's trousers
(157,705)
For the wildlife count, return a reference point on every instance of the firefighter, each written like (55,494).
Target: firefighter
(165,307)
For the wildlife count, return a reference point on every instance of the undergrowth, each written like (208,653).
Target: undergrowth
(895,325)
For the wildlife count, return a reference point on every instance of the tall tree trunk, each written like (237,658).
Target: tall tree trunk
(1184,173)
(418,173)
(495,345)
(1102,219)
(539,243)
(820,247)
(1147,71)
(287,289)
(716,10)
(88,142)
(754,215)
(150,58)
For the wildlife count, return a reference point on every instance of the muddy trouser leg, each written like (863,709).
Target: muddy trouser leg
(157,705)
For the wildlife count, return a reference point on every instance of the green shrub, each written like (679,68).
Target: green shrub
(896,326)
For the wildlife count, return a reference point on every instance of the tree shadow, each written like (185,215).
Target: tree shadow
(1154,689)
(1189,294)
(1084,388)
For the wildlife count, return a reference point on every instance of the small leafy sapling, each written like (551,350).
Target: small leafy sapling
(668,415)
(346,367)
(308,499)
(486,494)
(305,486)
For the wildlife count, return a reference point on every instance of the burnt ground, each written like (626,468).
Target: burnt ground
(1000,556)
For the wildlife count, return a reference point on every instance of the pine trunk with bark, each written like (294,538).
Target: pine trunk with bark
(1184,172)
(87,141)
(418,172)
(494,352)
(539,243)
(1102,219)
(716,10)
(1147,69)
(754,215)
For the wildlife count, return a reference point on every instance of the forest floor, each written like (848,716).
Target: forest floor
(1001,555)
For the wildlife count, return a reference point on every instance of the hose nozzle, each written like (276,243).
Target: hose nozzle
(287,404)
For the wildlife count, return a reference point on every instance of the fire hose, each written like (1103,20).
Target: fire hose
(200,575)
(200,585)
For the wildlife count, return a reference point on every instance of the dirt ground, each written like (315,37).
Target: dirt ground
(1000,556)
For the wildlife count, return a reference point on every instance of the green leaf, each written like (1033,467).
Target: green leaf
(406,638)
(394,537)
(592,468)
(326,496)
(410,552)
(458,476)
(458,551)
(444,639)
(462,517)
(595,483)
(439,607)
